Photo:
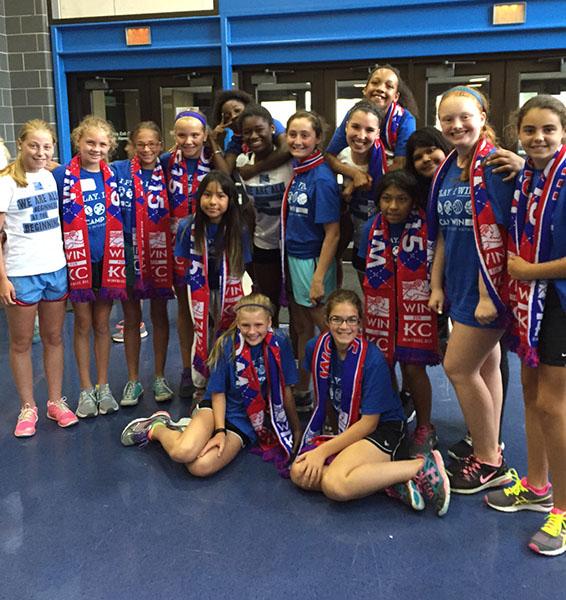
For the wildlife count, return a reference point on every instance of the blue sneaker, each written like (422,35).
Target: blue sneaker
(433,483)
(408,493)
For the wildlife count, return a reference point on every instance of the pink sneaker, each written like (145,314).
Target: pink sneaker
(60,412)
(25,427)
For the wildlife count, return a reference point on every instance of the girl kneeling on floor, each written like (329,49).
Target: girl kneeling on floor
(248,399)
(353,387)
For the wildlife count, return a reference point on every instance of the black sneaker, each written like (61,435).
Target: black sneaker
(187,387)
(408,406)
(470,476)
(462,449)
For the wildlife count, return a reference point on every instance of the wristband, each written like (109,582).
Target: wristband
(219,430)
(217,152)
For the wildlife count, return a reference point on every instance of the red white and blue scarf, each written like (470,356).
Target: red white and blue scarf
(530,237)
(275,442)
(351,398)
(153,256)
(182,199)
(230,292)
(490,238)
(396,290)
(76,240)
(311,162)
(390,127)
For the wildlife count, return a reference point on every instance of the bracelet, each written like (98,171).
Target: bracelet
(219,430)
(217,152)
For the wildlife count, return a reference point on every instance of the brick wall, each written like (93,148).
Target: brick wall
(26,73)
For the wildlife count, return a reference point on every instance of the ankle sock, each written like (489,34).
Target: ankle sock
(538,491)
(152,428)
(558,511)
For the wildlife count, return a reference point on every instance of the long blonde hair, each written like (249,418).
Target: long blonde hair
(16,169)
(249,303)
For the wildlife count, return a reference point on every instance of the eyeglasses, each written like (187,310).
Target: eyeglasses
(337,321)
(151,145)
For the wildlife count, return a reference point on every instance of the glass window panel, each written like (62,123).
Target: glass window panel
(284,99)
(348,93)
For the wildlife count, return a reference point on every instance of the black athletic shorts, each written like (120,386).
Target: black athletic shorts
(243,437)
(388,437)
(552,339)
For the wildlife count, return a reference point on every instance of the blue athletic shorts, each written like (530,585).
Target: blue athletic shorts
(301,271)
(47,287)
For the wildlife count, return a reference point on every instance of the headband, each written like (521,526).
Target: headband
(191,113)
(253,305)
(468,90)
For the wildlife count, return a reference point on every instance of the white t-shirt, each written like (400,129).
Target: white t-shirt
(34,244)
(266,190)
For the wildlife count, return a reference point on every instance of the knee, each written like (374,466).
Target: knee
(296,474)
(200,468)
(21,344)
(184,453)
(132,319)
(549,408)
(82,326)
(101,328)
(52,338)
(335,488)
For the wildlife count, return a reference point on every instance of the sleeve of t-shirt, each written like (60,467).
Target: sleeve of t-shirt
(279,129)
(59,176)
(183,239)
(378,395)
(364,239)
(309,351)
(501,192)
(242,160)
(218,380)
(234,145)
(7,187)
(408,125)
(338,141)
(288,365)
(327,202)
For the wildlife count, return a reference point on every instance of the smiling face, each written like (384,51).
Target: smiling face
(302,138)
(93,146)
(462,120)
(214,202)
(190,135)
(344,324)
(254,323)
(382,88)
(362,129)
(147,146)
(257,134)
(427,159)
(541,133)
(36,150)
(395,204)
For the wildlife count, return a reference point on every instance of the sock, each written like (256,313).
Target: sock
(558,511)
(152,427)
(538,491)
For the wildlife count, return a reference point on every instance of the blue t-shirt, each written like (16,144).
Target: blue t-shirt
(378,395)
(223,380)
(92,185)
(234,145)
(190,165)
(183,248)
(395,233)
(406,127)
(461,263)
(123,172)
(314,200)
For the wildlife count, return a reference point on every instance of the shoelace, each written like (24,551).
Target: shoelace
(129,391)
(517,487)
(62,404)
(471,467)
(554,524)
(27,413)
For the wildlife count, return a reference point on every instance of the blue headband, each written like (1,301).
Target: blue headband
(468,90)
(191,113)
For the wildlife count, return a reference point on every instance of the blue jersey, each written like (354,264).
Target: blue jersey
(223,380)
(94,198)
(378,395)
(461,262)
(314,200)
(395,233)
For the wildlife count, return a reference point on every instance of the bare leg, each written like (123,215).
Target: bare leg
(160,322)
(185,327)
(51,320)
(20,326)
(82,329)
(132,340)
(101,326)
(417,382)
(304,329)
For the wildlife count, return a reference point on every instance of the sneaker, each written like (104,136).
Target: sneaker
(519,497)
(60,412)
(106,401)
(462,449)
(118,334)
(186,387)
(550,539)
(136,432)
(408,493)
(408,406)
(88,407)
(133,392)
(471,476)
(303,401)
(25,426)
(433,483)
(161,390)
(423,440)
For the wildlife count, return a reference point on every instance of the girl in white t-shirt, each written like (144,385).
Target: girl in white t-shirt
(33,272)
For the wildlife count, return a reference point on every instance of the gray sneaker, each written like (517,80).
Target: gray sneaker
(106,401)
(133,391)
(518,497)
(161,390)
(87,404)
(136,431)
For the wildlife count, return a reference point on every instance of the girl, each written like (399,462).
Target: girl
(94,244)
(352,385)
(310,231)
(537,270)
(194,155)
(471,205)
(248,400)
(385,89)
(396,289)
(216,248)
(266,191)
(366,152)
(33,272)
(149,256)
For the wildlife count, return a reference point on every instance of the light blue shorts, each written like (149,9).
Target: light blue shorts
(47,287)
(301,271)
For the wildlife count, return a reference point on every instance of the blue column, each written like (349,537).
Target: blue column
(61,101)
(225,53)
